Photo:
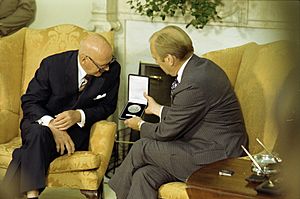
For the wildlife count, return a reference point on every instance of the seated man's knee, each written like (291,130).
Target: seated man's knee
(141,173)
(138,146)
(36,132)
(146,174)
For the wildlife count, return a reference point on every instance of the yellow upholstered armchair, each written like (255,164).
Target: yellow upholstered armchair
(257,73)
(21,54)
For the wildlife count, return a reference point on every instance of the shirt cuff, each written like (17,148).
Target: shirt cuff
(82,116)
(45,120)
(140,124)
(160,111)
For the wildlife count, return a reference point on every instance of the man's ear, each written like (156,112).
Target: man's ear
(169,59)
(82,57)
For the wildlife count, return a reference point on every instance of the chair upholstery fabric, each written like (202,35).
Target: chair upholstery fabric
(21,54)
(257,72)
(173,190)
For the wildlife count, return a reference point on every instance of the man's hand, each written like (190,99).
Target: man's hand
(133,123)
(66,119)
(153,107)
(62,139)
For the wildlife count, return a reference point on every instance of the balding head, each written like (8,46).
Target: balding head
(97,45)
(96,48)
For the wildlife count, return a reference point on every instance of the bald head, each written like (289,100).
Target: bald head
(96,46)
(95,54)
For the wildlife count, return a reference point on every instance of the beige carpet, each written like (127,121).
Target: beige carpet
(59,193)
(63,193)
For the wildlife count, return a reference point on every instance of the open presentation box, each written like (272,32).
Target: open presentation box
(137,86)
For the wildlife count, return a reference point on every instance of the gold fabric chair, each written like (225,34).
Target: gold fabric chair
(21,54)
(257,73)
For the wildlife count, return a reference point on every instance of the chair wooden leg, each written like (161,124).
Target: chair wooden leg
(94,194)
(101,188)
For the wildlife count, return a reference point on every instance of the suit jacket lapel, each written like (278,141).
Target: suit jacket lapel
(92,89)
(71,75)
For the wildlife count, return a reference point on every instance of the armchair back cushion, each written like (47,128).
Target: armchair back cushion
(257,73)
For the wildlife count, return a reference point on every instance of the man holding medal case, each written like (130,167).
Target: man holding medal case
(204,123)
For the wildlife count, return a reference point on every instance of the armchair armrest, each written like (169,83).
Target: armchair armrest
(102,141)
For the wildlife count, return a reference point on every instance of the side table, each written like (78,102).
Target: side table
(207,183)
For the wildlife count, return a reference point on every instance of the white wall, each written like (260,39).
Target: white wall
(54,12)
(209,39)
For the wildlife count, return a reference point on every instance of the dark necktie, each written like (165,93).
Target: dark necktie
(83,83)
(174,84)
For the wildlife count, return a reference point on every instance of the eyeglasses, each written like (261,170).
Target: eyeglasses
(101,68)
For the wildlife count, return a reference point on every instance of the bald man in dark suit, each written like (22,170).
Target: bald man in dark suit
(69,92)
(204,123)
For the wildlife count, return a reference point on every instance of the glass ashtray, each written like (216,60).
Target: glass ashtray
(268,163)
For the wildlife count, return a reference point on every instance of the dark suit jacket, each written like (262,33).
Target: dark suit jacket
(204,118)
(54,89)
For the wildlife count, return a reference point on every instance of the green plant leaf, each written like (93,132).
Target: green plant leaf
(201,11)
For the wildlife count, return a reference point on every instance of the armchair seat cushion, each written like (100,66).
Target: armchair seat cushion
(86,180)
(79,161)
(173,190)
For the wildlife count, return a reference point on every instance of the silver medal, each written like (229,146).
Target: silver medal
(134,108)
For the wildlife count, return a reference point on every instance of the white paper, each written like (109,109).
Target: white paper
(137,86)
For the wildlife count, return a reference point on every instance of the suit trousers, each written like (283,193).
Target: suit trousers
(28,168)
(147,166)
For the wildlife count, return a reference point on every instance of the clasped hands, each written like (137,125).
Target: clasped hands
(58,127)
(152,108)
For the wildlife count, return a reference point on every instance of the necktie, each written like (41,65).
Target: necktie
(174,84)
(84,82)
